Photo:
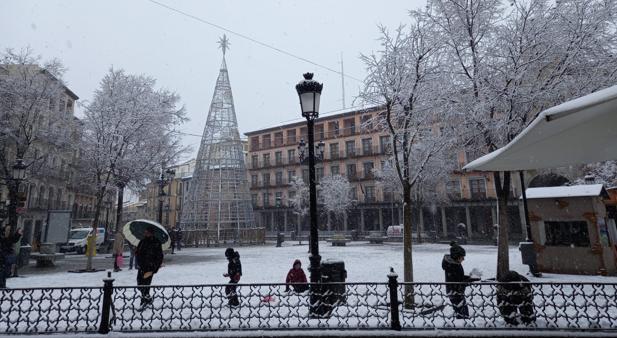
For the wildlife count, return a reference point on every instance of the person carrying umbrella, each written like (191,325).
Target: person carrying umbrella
(149,254)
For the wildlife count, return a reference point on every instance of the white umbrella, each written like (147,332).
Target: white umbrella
(133,232)
(580,131)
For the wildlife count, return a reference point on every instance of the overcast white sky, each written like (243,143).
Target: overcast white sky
(182,54)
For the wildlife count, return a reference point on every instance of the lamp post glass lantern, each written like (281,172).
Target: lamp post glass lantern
(309,92)
(19,170)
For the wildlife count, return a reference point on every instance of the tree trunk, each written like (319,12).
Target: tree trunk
(503,193)
(407,249)
(95,222)
(119,207)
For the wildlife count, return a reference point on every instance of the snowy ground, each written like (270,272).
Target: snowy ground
(268,264)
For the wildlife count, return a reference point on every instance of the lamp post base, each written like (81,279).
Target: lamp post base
(315,306)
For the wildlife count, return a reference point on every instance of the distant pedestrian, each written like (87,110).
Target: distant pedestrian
(296,278)
(173,239)
(149,255)
(132,260)
(118,251)
(7,254)
(461,230)
(515,299)
(453,268)
(234,272)
(178,235)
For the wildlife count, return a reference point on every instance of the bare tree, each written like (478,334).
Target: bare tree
(129,131)
(31,129)
(406,75)
(334,195)
(510,63)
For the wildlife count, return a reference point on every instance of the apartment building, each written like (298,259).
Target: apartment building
(353,148)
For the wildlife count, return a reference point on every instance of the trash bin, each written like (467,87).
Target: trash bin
(280,238)
(24,255)
(293,235)
(528,256)
(332,271)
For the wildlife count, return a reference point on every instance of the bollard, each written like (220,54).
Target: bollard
(105,311)
(394,314)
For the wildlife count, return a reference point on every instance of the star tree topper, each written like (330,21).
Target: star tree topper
(224,43)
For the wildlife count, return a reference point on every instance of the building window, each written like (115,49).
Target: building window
(254,162)
(453,189)
(278,199)
(254,180)
(572,234)
(291,136)
(278,139)
(319,132)
(353,193)
(278,177)
(305,176)
(290,175)
(369,194)
(266,179)
(333,129)
(291,156)
(368,169)
(266,199)
(334,170)
(366,146)
(477,187)
(384,144)
(318,174)
(266,160)
(351,171)
(303,133)
(254,200)
(350,127)
(334,151)
(366,122)
(254,143)
(350,148)
(278,157)
(265,141)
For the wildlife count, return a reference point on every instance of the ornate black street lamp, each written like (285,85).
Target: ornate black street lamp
(309,92)
(18,175)
(166,176)
(319,150)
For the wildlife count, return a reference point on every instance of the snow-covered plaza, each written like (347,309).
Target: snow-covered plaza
(268,264)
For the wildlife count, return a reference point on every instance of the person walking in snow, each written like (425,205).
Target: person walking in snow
(234,272)
(515,299)
(453,268)
(118,251)
(296,278)
(149,254)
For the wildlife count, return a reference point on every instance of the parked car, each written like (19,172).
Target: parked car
(78,239)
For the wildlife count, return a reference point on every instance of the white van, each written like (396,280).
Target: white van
(78,239)
(395,232)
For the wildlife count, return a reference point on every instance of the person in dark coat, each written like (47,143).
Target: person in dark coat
(178,234)
(7,255)
(234,272)
(453,268)
(515,299)
(296,278)
(173,239)
(149,254)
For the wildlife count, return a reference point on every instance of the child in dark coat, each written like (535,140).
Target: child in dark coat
(453,268)
(296,278)
(234,272)
(515,300)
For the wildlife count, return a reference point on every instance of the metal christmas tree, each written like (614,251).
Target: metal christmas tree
(218,196)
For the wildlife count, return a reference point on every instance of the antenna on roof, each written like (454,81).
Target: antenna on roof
(343,81)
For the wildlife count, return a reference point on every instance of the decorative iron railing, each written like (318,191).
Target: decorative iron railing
(391,305)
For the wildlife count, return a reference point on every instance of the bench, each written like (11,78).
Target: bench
(46,260)
(338,240)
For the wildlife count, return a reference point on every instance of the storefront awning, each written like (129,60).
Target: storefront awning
(583,130)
